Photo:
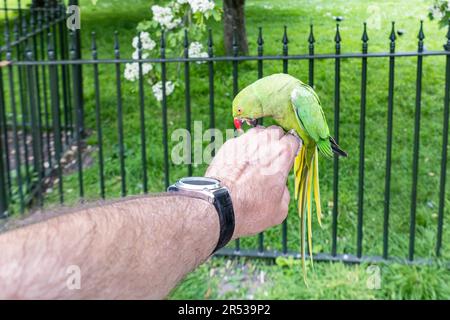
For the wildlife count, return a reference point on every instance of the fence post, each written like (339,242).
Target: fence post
(78,72)
(3,195)
(444,147)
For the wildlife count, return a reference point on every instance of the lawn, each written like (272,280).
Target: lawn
(243,278)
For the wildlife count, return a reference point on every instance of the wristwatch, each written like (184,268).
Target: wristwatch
(211,190)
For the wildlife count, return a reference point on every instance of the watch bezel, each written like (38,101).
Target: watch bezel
(183,184)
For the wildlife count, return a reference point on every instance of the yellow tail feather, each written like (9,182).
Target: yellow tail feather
(306,183)
(309,218)
(316,188)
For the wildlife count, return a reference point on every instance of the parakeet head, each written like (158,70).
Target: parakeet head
(247,107)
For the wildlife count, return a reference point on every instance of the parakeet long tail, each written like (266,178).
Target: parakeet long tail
(307,182)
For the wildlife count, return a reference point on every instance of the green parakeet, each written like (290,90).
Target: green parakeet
(294,106)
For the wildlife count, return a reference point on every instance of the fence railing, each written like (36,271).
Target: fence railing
(42,117)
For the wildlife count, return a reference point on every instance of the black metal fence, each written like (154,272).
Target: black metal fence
(41,104)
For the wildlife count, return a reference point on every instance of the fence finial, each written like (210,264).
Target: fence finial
(116,40)
(337,37)
(234,40)
(392,36)
(139,44)
(24,25)
(421,36)
(447,46)
(285,39)
(311,38)
(72,42)
(163,40)
(365,37)
(93,41)
(260,40)
(210,39)
(234,43)
(186,39)
(50,48)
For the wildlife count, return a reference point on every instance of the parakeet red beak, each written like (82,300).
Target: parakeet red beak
(238,123)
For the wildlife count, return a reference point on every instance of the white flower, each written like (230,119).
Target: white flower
(146,42)
(157,89)
(164,16)
(131,72)
(135,55)
(201,5)
(436,13)
(182,1)
(196,51)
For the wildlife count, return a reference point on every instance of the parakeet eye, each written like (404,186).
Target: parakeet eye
(239,110)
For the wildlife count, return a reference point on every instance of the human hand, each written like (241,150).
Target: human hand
(255,167)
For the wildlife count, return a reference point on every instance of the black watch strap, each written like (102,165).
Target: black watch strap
(224,207)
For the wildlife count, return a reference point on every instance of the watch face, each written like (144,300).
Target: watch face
(198,183)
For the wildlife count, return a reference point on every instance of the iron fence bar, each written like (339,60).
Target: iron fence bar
(187,97)
(164,111)
(38,93)
(4,135)
(415,175)
(44,90)
(440,223)
(35,129)
(66,76)
(260,43)
(337,81)
(362,139)
(3,187)
(79,73)
(123,180)
(12,96)
(23,106)
(19,4)
(78,115)
(235,48)
(285,42)
(311,41)
(142,120)
(390,112)
(98,119)
(212,116)
(55,107)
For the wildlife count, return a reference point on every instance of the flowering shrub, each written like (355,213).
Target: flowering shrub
(440,10)
(172,19)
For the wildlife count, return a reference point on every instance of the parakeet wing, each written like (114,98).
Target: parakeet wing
(307,107)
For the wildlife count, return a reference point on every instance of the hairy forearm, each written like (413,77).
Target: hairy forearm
(134,248)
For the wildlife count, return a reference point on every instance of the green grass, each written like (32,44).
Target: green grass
(334,281)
